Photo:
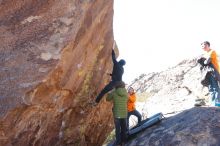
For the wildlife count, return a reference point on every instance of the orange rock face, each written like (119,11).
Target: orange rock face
(55,56)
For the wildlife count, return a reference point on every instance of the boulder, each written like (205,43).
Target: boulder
(54,59)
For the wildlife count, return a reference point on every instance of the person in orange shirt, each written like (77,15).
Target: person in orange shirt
(131,106)
(212,62)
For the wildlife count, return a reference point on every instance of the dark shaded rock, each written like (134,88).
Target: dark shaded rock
(194,127)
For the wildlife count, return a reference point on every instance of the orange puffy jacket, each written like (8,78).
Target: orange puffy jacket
(131,101)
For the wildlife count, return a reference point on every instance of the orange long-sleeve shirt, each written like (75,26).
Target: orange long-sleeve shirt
(214,60)
(131,102)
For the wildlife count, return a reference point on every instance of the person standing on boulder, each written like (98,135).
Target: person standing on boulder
(131,106)
(211,60)
(116,76)
(119,96)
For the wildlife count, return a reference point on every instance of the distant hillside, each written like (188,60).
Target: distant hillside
(172,90)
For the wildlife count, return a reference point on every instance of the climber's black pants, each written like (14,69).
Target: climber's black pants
(105,90)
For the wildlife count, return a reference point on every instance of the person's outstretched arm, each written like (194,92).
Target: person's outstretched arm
(113,57)
(113,54)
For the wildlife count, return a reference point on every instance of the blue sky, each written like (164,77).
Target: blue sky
(153,35)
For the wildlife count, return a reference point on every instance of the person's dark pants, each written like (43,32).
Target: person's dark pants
(135,113)
(120,130)
(214,89)
(105,90)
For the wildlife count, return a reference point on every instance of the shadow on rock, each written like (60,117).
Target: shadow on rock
(196,126)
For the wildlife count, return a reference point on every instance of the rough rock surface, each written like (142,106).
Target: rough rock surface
(54,56)
(198,126)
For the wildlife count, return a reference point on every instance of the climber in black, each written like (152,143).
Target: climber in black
(116,76)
